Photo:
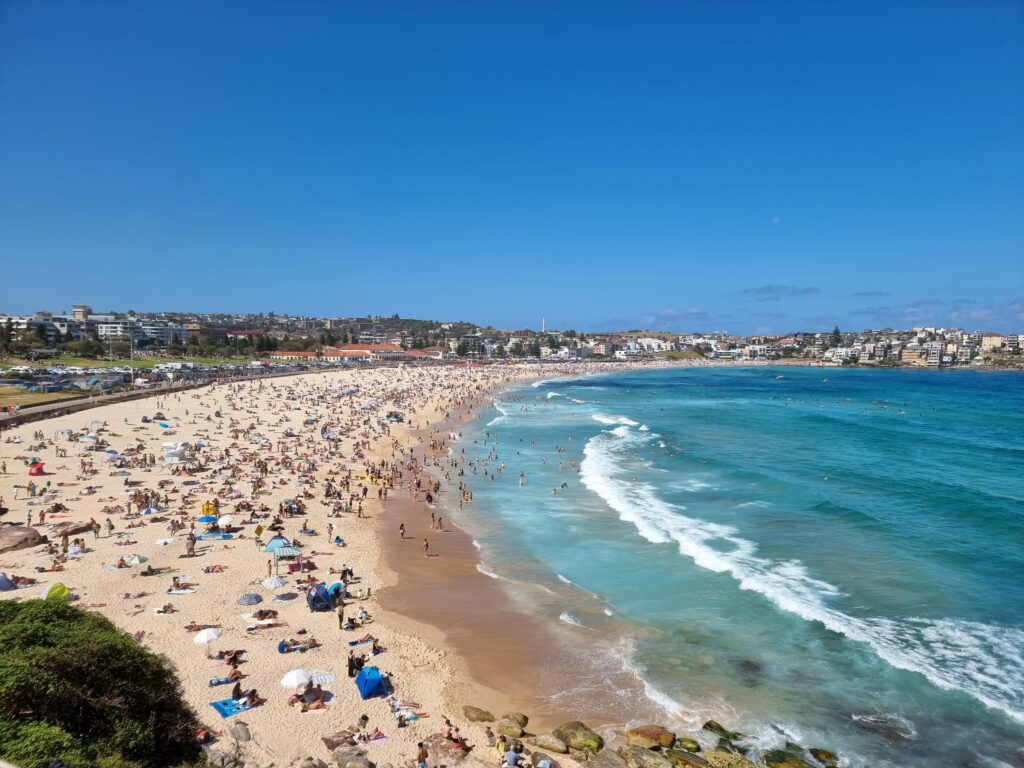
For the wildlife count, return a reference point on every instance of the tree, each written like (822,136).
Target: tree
(837,337)
(535,348)
(462,349)
(74,687)
(6,337)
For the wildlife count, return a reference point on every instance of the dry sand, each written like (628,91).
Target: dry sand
(418,665)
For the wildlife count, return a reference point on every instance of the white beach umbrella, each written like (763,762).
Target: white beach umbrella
(296,678)
(274,582)
(225,521)
(206,636)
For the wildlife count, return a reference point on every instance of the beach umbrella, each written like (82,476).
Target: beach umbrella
(320,677)
(93,422)
(226,521)
(208,519)
(274,582)
(88,439)
(250,598)
(206,636)
(137,560)
(150,511)
(296,678)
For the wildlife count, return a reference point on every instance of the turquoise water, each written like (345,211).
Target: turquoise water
(833,556)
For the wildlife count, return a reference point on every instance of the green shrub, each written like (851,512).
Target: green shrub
(74,687)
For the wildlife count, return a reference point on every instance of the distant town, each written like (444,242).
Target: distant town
(84,333)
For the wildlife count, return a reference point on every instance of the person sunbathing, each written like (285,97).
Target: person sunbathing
(166,608)
(377,648)
(264,613)
(213,569)
(229,656)
(120,563)
(249,700)
(291,644)
(177,583)
(193,627)
(396,704)
(149,570)
(317,702)
(265,624)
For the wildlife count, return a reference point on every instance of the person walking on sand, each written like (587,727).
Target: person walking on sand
(341,615)
(270,569)
(426,548)
(421,755)
(401,531)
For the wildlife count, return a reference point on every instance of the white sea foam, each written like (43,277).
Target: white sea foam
(759,504)
(554,394)
(502,419)
(477,545)
(984,661)
(603,419)
(562,579)
(487,571)
(568,618)
(644,428)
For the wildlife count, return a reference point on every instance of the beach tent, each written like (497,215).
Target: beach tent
(55,591)
(318,600)
(278,542)
(6,585)
(371,683)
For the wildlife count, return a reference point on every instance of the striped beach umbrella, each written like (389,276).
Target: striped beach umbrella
(250,598)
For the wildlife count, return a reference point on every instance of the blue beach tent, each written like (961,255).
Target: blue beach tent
(370,683)
(317,598)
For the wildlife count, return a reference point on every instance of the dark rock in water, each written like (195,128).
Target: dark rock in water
(549,743)
(509,728)
(823,756)
(577,735)
(477,715)
(792,746)
(719,730)
(638,757)
(776,758)
(726,745)
(15,537)
(650,737)
(687,745)
(719,759)
(516,717)
(892,727)
(749,667)
(684,758)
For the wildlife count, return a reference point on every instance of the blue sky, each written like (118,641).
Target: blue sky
(748,166)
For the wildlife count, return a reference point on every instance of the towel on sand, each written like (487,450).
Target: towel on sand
(227,707)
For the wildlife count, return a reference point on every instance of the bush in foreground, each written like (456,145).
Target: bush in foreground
(74,687)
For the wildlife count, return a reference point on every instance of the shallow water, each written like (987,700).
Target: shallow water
(832,556)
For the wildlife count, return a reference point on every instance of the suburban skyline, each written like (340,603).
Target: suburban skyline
(755,167)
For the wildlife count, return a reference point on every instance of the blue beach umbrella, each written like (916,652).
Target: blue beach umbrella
(250,598)
(208,519)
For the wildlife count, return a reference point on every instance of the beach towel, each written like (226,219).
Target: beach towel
(215,681)
(227,707)
(188,591)
(354,643)
(214,536)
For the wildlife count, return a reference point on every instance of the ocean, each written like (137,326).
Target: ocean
(829,556)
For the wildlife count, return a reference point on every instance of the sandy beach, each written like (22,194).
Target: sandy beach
(256,448)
